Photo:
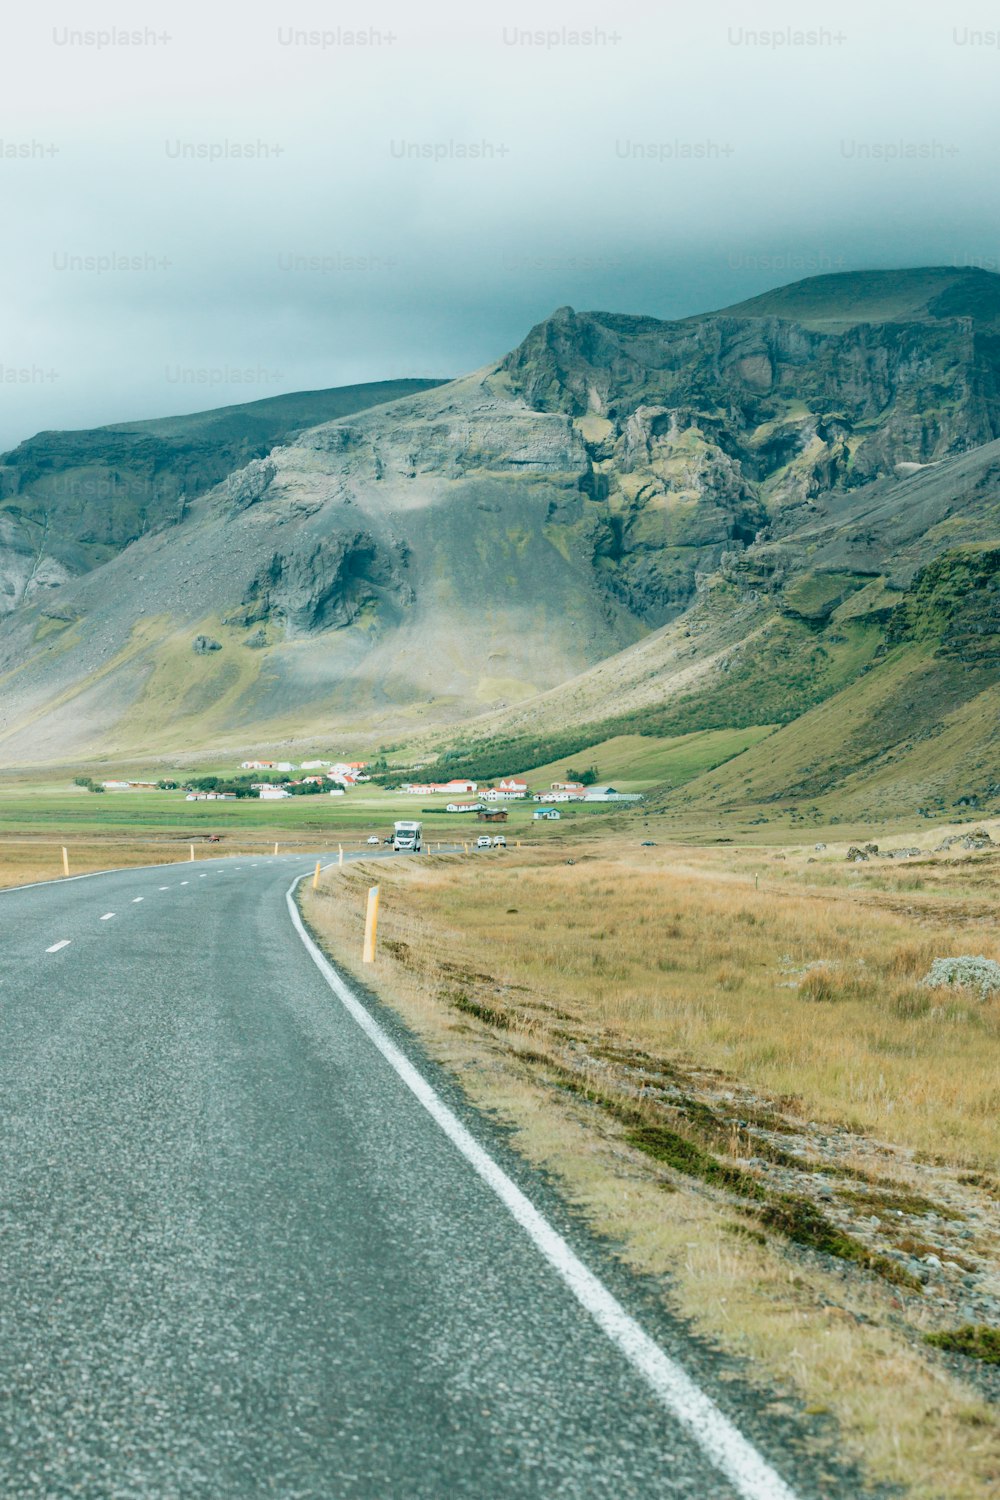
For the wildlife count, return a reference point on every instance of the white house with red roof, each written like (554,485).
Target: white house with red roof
(507,789)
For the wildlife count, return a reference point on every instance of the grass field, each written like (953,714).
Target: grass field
(728,1058)
(106,830)
(42,806)
(53,810)
(635,762)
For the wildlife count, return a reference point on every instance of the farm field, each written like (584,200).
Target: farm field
(103,831)
(51,812)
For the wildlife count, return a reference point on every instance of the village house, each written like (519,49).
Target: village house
(545,812)
(463,807)
(508,789)
(273,793)
(492,815)
(567,786)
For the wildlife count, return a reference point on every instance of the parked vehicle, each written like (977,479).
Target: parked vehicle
(484,841)
(406,837)
(372,838)
(499,842)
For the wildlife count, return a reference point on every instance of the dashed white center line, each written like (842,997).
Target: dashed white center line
(164,887)
(185,882)
(136,899)
(202,877)
(56,946)
(107,916)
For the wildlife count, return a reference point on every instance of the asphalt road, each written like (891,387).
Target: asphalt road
(239,1256)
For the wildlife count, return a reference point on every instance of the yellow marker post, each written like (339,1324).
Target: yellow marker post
(192,851)
(275,848)
(65,860)
(340,854)
(316,876)
(371,925)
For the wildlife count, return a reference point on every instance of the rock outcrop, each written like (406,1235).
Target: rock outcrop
(72,500)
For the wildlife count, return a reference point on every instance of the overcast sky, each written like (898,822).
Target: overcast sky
(413,202)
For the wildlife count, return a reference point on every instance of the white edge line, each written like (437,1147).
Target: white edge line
(719,1439)
(56,946)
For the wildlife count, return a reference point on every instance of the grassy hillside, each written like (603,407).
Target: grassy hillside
(635,762)
(846,298)
(913,735)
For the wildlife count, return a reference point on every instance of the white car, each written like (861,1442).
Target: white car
(372,838)
(484,841)
(499,842)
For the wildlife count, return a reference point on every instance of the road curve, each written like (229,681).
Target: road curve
(241,1258)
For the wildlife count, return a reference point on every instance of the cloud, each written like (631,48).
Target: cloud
(359,198)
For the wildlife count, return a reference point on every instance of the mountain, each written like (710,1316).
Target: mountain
(869,640)
(71,500)
(719,521)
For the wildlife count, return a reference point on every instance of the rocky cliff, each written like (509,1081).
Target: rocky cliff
(71,500)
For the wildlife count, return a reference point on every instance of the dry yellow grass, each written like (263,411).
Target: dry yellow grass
(674,952)
(806,992)
(23,861)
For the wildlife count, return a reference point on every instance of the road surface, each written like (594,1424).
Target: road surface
(240,1258)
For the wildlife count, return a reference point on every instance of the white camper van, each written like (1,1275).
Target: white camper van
(406,836)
